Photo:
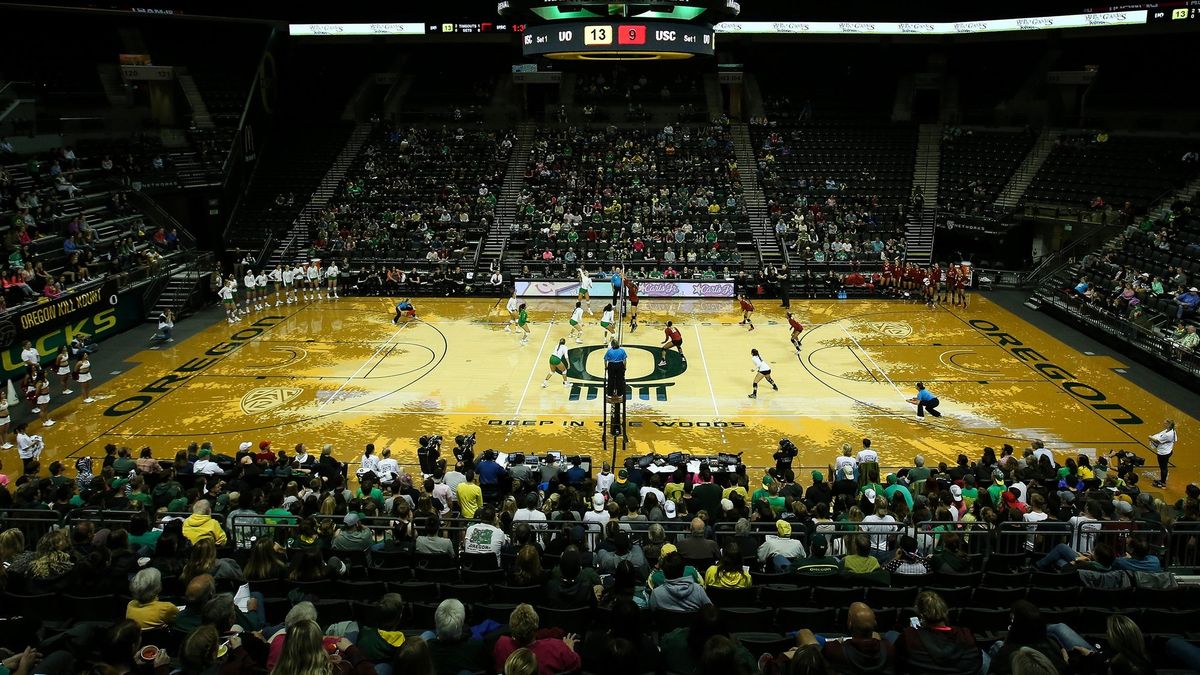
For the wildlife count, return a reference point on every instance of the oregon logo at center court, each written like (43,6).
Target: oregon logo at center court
(642,386)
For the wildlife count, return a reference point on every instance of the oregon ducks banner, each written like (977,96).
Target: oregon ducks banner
(100,311)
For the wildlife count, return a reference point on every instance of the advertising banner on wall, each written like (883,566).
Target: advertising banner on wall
(100,311)
(657,288)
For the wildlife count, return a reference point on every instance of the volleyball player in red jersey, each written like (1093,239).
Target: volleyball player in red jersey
(885,277)
(797,328)
(674,339)
(747,310)
(951,283)
(631,289)
(960,287)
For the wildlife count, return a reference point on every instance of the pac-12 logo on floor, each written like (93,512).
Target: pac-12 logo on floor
(652,385)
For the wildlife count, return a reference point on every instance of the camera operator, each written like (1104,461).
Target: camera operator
(784,456)
(428,454)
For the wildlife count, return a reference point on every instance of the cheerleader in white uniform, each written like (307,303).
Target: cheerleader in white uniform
(5,418)
(84,370)
(42,385)
(62,367)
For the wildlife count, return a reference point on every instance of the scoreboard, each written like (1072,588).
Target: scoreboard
(619,40)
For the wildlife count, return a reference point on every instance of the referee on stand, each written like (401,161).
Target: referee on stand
(925,400)
(614,365)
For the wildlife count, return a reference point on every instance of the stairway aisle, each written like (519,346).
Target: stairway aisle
(496,241)
(919,229)
(294,247)
(765,242)
(1014,190)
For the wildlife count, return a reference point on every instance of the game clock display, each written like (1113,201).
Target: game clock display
(594,39)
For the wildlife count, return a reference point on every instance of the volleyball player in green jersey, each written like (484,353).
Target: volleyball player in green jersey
(577,323)
(523,322)
(558,363)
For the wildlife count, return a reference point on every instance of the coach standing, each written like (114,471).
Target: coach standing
(1164,446)
(925,400)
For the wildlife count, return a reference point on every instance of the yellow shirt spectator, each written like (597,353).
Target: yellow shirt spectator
(470,498)
(716,578)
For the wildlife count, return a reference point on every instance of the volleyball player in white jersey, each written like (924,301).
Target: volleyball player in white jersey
(276,277)
(331,278)
(260,289)
(762,370)
(558,363)
(314,284)
(5,418)
(585,289)
(606,322)
(297,282)
(248,284)
(229,299)
(577,323)
(512,306)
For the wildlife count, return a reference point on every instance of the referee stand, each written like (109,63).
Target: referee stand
(614,413)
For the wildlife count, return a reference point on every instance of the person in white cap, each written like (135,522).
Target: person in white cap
(669,510)
(595,520)
(1163,444)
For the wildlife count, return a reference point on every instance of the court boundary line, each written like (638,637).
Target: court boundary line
(708,377)
(334,395)
(536,359)
(872,360)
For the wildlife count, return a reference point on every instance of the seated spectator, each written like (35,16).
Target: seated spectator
(571,584)
(818,562)
(353,536)
(484,536)
(430,540)
(860,561)
(381,640)
(623,549)
(554,655)
(935,646)
(779,549)
(683,648)
(1126,652)
(908,559)
(1026,632)
(451,645)
(680,592)
(865,651)
(306,646)
(729,571)
(1138,557)
(202,559)
(145,609)
(527,569)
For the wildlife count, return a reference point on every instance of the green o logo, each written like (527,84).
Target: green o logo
(577,364)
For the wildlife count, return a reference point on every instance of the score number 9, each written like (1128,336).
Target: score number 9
(597,35)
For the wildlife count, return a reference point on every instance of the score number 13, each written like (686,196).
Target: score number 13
(597,35)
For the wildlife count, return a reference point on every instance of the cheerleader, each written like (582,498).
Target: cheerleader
(747,310)
(83,369)
(606,322)
(276,278)
(331,279)
(62,367)
(761,370)
(577,323)
(558,363)
(42,386)
(5,418)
